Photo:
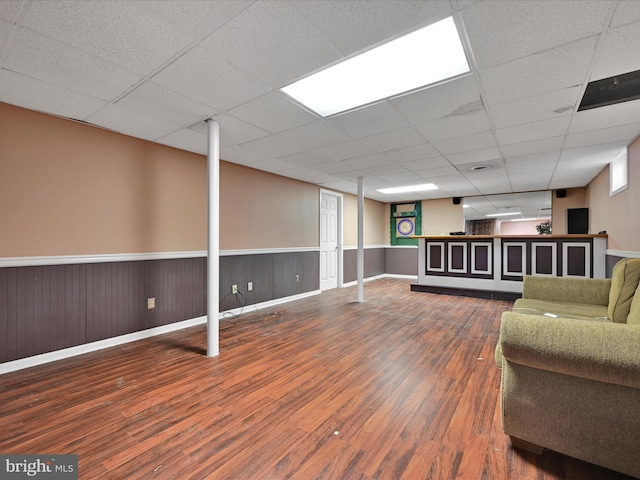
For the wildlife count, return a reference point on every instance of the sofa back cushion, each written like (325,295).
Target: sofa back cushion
(625,278)
(634,313)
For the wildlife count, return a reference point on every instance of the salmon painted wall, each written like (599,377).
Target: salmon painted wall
(67,188)
(618,215)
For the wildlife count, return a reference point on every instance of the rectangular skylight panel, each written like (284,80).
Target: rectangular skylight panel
(424,57)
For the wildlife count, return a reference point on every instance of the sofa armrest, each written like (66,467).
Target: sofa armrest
(592,291)
(596,350)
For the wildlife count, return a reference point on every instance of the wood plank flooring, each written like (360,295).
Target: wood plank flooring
(402,386)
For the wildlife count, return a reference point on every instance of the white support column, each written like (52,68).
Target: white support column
(213,239)
(360,256)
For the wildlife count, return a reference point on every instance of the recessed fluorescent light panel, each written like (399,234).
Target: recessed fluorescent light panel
(424,57)
(502,214)
(409,188)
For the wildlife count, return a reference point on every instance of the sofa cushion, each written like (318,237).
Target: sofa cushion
(634,312)
(564,309)
(624,283)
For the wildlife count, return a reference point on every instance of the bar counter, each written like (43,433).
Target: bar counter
(494,265)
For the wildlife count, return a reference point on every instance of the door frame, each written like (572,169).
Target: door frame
(339,257)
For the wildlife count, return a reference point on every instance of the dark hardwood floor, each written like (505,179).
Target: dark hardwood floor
(402,386)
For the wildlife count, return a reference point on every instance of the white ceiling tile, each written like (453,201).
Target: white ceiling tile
(431,173)
(491,185)
(482,155)
(5,34)
(10,9)
(37,95)
(454,126)
(273,146)
(351,175)
(315,135)
(306,159)
(307,175)
(195,17)
(333,167)
(160,102)
(113,30)
(497,170)
(603,117)
(618,52)
(258,39)
(605,135)
(540,107)
(342,151)
(415,152)
(275,165)
(586,159)
(456,97)
(242,155)
(354,26)
(532,147)
(402,177)
(476,141)
(387,169)
(209,80)
(456,183)
(37,56)
(532,169)
(555,69)
(529,182)
(394,139)
(533,131)
(273,112)
(370,120)
(340,186)
(235,131)
(373,160)
(133,123)
(500,31)
(607,151)
(426,163)
(186,139)
(626,11)
(535,159)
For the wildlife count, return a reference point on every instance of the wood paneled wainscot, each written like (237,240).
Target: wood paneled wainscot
(494,266)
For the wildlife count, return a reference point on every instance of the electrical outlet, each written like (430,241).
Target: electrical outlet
(234,289)
(249,286)
(151,303)
(297,278)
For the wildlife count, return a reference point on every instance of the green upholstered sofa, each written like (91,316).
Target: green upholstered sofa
(570,358)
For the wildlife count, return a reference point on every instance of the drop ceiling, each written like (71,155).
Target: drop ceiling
(157,70)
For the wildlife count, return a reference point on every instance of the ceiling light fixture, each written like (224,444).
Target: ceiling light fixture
(409,188)
(424,57)
(502,214)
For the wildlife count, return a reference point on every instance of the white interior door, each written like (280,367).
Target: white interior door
(329,250)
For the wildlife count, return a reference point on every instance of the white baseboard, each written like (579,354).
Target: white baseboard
(48,357)
(378,277)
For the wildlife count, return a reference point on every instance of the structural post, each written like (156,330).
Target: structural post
(213,239)
(360,256)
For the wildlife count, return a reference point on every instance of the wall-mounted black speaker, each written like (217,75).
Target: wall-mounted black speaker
(561,193)
(457,200)
(578,220)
